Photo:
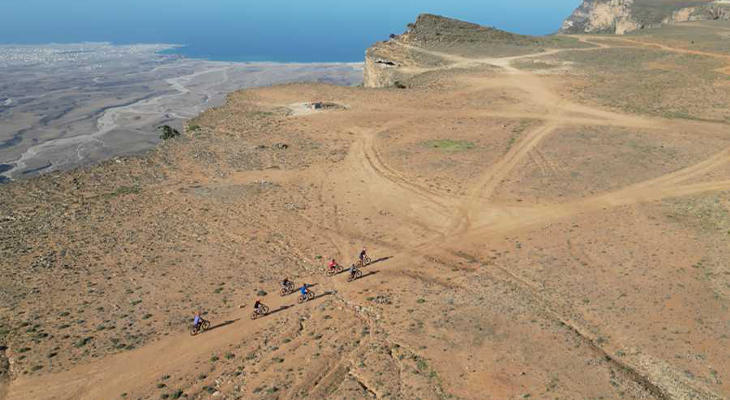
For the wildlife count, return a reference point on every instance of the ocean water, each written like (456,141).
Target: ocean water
(272,30)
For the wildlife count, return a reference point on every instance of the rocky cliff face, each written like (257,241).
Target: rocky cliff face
(595,16)
(621,16)
(382,68)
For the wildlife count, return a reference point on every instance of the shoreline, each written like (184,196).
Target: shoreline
(161,89)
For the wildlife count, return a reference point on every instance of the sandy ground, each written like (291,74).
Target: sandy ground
(525,245)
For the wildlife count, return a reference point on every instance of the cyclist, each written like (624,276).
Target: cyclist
(257,305)
(304,290)
(363,254)
(285,283)
(197,320)
(332,264)
(353,270)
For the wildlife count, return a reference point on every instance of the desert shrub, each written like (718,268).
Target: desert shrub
(168,132)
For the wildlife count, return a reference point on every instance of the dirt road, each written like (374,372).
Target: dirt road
(425,222)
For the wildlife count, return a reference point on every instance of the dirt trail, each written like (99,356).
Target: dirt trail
(448,220)
(479,195)
(722,70)
(128,371)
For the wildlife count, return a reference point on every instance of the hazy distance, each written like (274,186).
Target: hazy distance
(276,30)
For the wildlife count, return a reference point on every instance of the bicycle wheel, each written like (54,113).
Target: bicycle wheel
(264,309)
(205,325)
(254,315)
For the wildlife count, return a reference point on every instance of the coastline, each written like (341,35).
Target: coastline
(152,89)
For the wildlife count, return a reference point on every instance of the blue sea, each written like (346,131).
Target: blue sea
(271,30)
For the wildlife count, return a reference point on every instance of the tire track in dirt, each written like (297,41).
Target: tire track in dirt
(129,371)
(487,184)
(424,204)
(501,222)
(126,371)
(665,186)
(484,188)
(722,70)
(693,171)
(379,166)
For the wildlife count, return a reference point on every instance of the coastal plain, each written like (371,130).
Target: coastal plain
(65,105)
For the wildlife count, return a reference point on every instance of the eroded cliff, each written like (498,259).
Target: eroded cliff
(622,16)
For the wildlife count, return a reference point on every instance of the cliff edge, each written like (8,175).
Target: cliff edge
(622,16)
(394,61)
(391,62)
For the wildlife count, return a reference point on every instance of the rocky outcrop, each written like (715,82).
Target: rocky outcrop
(717,10)
(683,15)
(595,16)
(380,71)
(622,16)
(391,63)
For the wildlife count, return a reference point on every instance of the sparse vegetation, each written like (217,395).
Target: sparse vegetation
(168,132)
(449,145)
(538,235)
(84,341)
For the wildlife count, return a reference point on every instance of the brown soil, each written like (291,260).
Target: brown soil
(527,245)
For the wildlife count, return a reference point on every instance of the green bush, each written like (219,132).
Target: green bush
(168,132)
(84,341)
(449,145)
